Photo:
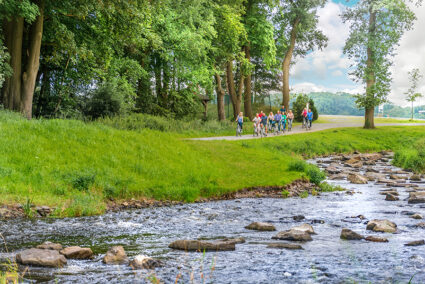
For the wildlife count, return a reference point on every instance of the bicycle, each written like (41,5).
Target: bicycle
(308,125)
(239,130)
(263,131)
(289,125)
(257,130)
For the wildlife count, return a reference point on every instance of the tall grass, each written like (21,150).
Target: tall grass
(412,157)
(76,167)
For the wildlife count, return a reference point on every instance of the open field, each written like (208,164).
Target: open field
(76,166)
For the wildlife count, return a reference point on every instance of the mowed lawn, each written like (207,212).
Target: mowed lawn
(77,166)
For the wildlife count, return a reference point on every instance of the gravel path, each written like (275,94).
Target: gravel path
(298,129)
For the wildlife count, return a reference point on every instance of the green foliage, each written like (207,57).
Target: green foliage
(27,208)
(376,29)
(298,166)
(412,157)
(285,193)
(300,103)
(315,174)
(5,69)
(326,187)
(82,181)
(304,194)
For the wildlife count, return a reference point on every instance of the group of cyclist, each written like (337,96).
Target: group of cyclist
(275,123)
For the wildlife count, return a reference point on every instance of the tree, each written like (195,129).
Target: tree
(412,95)
(297,35)
(300,103)
(376,28)
(23,30)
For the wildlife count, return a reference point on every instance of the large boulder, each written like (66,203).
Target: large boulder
(376,239)
(417,197)
(115,255)
(347,234)
(50,245)
(284,246)
(391,197)
(76,252)
(384,226)
(416,243)
(259,226)
(41,257)
(293,235)
(144,262)
(196,245)
(357,179)
(304,228)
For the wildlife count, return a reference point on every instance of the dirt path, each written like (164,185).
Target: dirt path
(338,123)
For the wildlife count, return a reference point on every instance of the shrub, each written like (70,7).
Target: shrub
(304,194)
(315,175)
(285,193)
(300,103)
(83,181)
(412,158)
(297,166)
(326,187)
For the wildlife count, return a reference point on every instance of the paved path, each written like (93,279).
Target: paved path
(298,129)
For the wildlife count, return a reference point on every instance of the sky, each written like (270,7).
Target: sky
(327,70)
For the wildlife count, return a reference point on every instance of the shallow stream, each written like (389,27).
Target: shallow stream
(326,259)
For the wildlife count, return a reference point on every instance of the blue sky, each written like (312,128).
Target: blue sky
(326,70)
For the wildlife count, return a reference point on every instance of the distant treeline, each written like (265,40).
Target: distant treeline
(344,104)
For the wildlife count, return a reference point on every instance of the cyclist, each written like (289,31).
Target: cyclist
(270,122)
(264,123)
(310,118)
(304,115)
(282,109)
(284,117)
(290,118)
(277,119)
(257,121)
(239,119)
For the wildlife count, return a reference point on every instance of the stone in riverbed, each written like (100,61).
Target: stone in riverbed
(41,257)
(420,225)
(415,243)
(392,192)
(384,226)
(333,170)
(357,179)
(417,216)
(50,245)
(293,235)
(347,234)
(339,176)
(298,217)
(240,240)
(417,197)
(259,226)
(195,245)
(415,177)
(284,246)
(115,255)
(390,197)
(376,239)
(305,228)
(76,252)
(144,262)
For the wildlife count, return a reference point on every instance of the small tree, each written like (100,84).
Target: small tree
(412,95)
(300,103)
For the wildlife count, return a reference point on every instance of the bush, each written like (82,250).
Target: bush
(326,187)
(298,166)
(315,175)
(300,103)
(83,181)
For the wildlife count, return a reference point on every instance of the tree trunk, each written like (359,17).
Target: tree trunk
(248,89)
(220,98)
(287,62)
(232,88)
(412,109)
(33,63)
(12,88)
(370,77)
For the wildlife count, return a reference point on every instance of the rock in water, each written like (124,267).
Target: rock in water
(417,197)
(416,243)
(415,177)
(376,239)
(50,245)
(384,226)
(115,255)
(420,225)
(261,226)
(417,216)
(293,235)
(195,245)
(77,253)
(347,234)
(304,228)
(284,246)
(298,217)
(357,179)
(41,257)
(390,197)
(144,262)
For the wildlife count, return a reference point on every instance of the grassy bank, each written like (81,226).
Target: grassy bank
(76,166)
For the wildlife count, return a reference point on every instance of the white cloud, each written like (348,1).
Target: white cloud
(331,58)
(307,87)
(410,54)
